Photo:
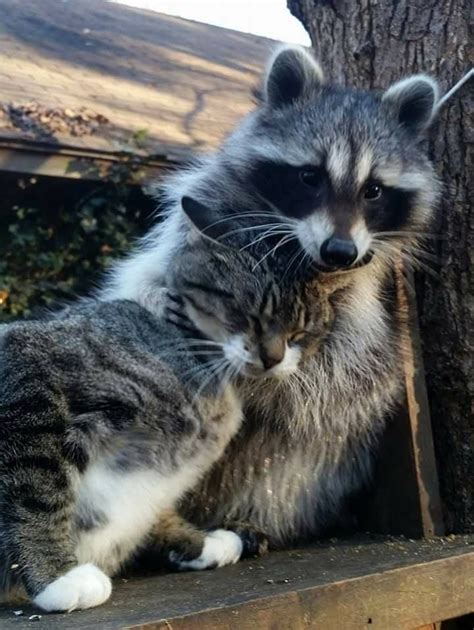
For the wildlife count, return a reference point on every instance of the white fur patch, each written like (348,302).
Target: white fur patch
(289,364)
(221,547)
(361,237)
(235,352)
(364,165)
(84,586)
(389,174)
(313,231)
(339,157)
(130,504)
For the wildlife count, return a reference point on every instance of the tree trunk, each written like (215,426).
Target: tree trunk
(369,44)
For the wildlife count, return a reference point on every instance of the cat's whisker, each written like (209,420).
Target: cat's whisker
(172,343)
(197,369)
(214,370)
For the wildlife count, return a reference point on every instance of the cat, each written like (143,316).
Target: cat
(110,413)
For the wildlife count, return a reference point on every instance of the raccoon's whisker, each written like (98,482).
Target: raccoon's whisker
(419,252)
(412,249)
(277,210)
(300,264)
(270,228)
(292,261)
(240,215)
(262,237)
(395,233)
(391,253)
(281,242)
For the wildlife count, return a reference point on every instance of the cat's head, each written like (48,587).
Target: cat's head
(263,327)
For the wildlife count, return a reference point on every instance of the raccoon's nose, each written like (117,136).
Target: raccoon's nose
(338,252)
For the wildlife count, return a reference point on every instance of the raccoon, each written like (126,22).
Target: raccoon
(332,185)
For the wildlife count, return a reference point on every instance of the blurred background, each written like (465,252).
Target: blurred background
(98,99)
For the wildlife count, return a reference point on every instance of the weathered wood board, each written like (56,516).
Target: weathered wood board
(371,582)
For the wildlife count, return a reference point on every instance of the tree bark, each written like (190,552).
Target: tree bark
(369,44)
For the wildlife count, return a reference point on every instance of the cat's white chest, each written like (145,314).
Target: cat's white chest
(115,510)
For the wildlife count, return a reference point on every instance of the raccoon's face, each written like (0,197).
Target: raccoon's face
(338,171)
(256,327)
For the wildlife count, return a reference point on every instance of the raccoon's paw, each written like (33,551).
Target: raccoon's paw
(84,586)
(221,547)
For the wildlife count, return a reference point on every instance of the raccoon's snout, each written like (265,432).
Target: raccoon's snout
(338,252)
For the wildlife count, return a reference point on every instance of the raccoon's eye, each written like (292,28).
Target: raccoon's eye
(310,177)
(373,191)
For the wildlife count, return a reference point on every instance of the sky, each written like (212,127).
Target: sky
(268,18)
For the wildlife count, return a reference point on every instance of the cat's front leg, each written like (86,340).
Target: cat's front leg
(221,547)
(83,586)
(36,510)
(188,548)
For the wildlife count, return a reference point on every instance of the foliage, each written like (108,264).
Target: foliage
(58,236)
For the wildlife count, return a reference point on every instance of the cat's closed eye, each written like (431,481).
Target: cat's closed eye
(296,336)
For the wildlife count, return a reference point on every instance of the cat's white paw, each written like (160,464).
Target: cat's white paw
(221,547)
(84,586)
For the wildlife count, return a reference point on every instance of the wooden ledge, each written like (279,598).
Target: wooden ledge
(374,583)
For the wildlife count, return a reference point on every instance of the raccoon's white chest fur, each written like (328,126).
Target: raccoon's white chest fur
(310,442)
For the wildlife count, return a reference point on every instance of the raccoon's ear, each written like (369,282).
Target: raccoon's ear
(203,218)
(292,72)
(413,100)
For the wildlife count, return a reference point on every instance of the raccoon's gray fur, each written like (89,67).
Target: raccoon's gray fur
(110,413)
(327,182)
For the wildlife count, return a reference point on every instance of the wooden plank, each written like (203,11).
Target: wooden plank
(395,583)
(401,599)
(405,498)
(77,163)
(418,411)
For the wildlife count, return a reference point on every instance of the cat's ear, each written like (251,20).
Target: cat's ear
(413,101)
(292,73)
(204,219)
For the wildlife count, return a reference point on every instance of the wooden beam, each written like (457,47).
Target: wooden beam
(76,163)
(401,598)
(418,410)
(367,583)
(405,498)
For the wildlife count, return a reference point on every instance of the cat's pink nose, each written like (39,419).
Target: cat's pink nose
(269,361)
